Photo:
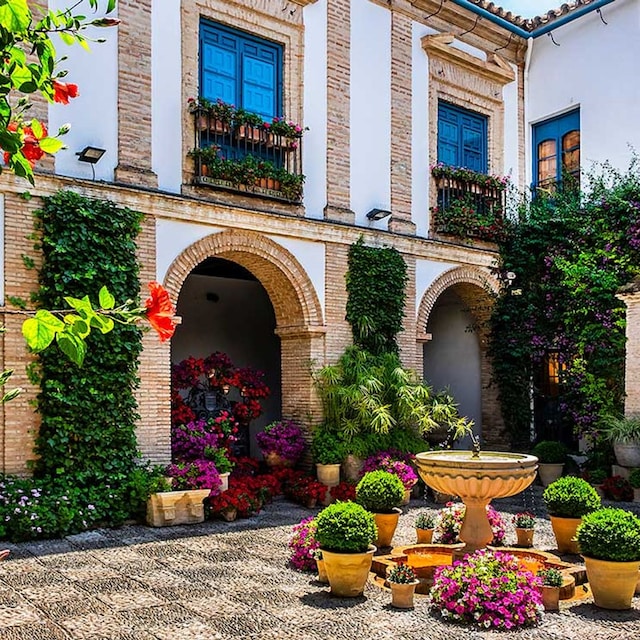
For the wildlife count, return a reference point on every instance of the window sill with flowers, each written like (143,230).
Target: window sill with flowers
(470,205)
(236,150)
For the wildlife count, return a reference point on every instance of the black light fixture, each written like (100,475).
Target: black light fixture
(90,154)
(378,214)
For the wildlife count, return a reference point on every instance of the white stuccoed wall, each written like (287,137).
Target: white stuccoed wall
(314,146)
(93,113)
(596,68)
(370,110)
(166,94)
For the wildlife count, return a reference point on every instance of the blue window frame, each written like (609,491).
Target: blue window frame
(240,69)
(462,138)
(556,151)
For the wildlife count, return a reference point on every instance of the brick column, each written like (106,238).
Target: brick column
(401,130)
(632,360)
(338,111)
(407,337)
(339,335)
(134,94)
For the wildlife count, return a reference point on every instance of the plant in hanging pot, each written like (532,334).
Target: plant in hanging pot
(380,492)
(282,443)
(551,583)
(551,458)
(345,532)
(425,524)
(610,543)
(524,523)
(624,435)
(403,582)
(568,499)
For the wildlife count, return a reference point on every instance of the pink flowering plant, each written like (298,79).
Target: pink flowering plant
(487,589)
(399,466)
(303,545)
(197,474)
(451,517)
(285,438)
(282,127)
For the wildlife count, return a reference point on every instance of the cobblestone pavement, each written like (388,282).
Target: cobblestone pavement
(231,580)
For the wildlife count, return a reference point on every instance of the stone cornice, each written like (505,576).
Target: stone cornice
(494,68)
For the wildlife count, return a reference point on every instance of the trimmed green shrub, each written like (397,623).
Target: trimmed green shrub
(379,491)
(610,534)
(327,447)
(634,478)
(550,452)
(571,497)
(345,527)
(597,476)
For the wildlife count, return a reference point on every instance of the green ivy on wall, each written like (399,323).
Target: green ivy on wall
(87,435)
(570,253)
(376,281)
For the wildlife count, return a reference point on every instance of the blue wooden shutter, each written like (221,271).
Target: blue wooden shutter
(241,69)
(553,129)
(462,138)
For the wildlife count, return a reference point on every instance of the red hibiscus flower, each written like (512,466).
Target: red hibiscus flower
(62,91)
(160,311)
(30,145)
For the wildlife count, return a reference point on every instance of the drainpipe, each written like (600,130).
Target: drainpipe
(527,128)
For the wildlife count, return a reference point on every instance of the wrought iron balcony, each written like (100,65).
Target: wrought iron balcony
(469,204)
(246,158)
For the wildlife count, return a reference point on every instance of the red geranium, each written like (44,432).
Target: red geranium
(344,491)
(62,91)
(160,311)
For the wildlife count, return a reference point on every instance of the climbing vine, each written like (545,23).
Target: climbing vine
(570,254)
(376,280)
(87,434)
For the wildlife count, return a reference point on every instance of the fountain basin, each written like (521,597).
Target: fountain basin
(490,475)
(477,478)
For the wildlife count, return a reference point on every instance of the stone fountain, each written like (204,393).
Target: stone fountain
(476,477)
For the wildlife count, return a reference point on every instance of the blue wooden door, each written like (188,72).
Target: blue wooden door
(462,138)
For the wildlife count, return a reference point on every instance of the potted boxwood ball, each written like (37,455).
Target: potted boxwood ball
(610,543)
(328,451)
(551,457)
(345,532)
(381,492)
(568,499)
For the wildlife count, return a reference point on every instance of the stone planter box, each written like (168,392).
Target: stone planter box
(176,507)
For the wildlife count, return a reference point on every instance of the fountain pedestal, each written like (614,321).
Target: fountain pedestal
(477,478)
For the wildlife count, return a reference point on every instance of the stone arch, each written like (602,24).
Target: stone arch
(299,317)
(290,289)
(476,289)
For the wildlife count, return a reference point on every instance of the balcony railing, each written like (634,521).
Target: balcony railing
(469,204)
(246,158)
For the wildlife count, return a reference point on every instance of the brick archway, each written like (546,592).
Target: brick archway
(477,290)
(299,318)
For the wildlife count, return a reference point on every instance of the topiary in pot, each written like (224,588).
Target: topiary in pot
(567,500)
(344,532)
(570,497)
(610,543)
(379,491)
(550,452)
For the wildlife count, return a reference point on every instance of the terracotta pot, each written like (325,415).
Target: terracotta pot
(407,498)
(551,598)
(225,482)
(402,594)
(322,571)
(548,473)
(348,572)
(564,530)
(612,583)
(424,536)
(524,537)
(252,134)
(386,524)
(229,515)
(351,468)
(328,474)
(311,503)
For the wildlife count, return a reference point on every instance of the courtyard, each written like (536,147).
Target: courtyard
(232,580)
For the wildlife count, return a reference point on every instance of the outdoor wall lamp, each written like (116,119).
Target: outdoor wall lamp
(90,154)
(378,214)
